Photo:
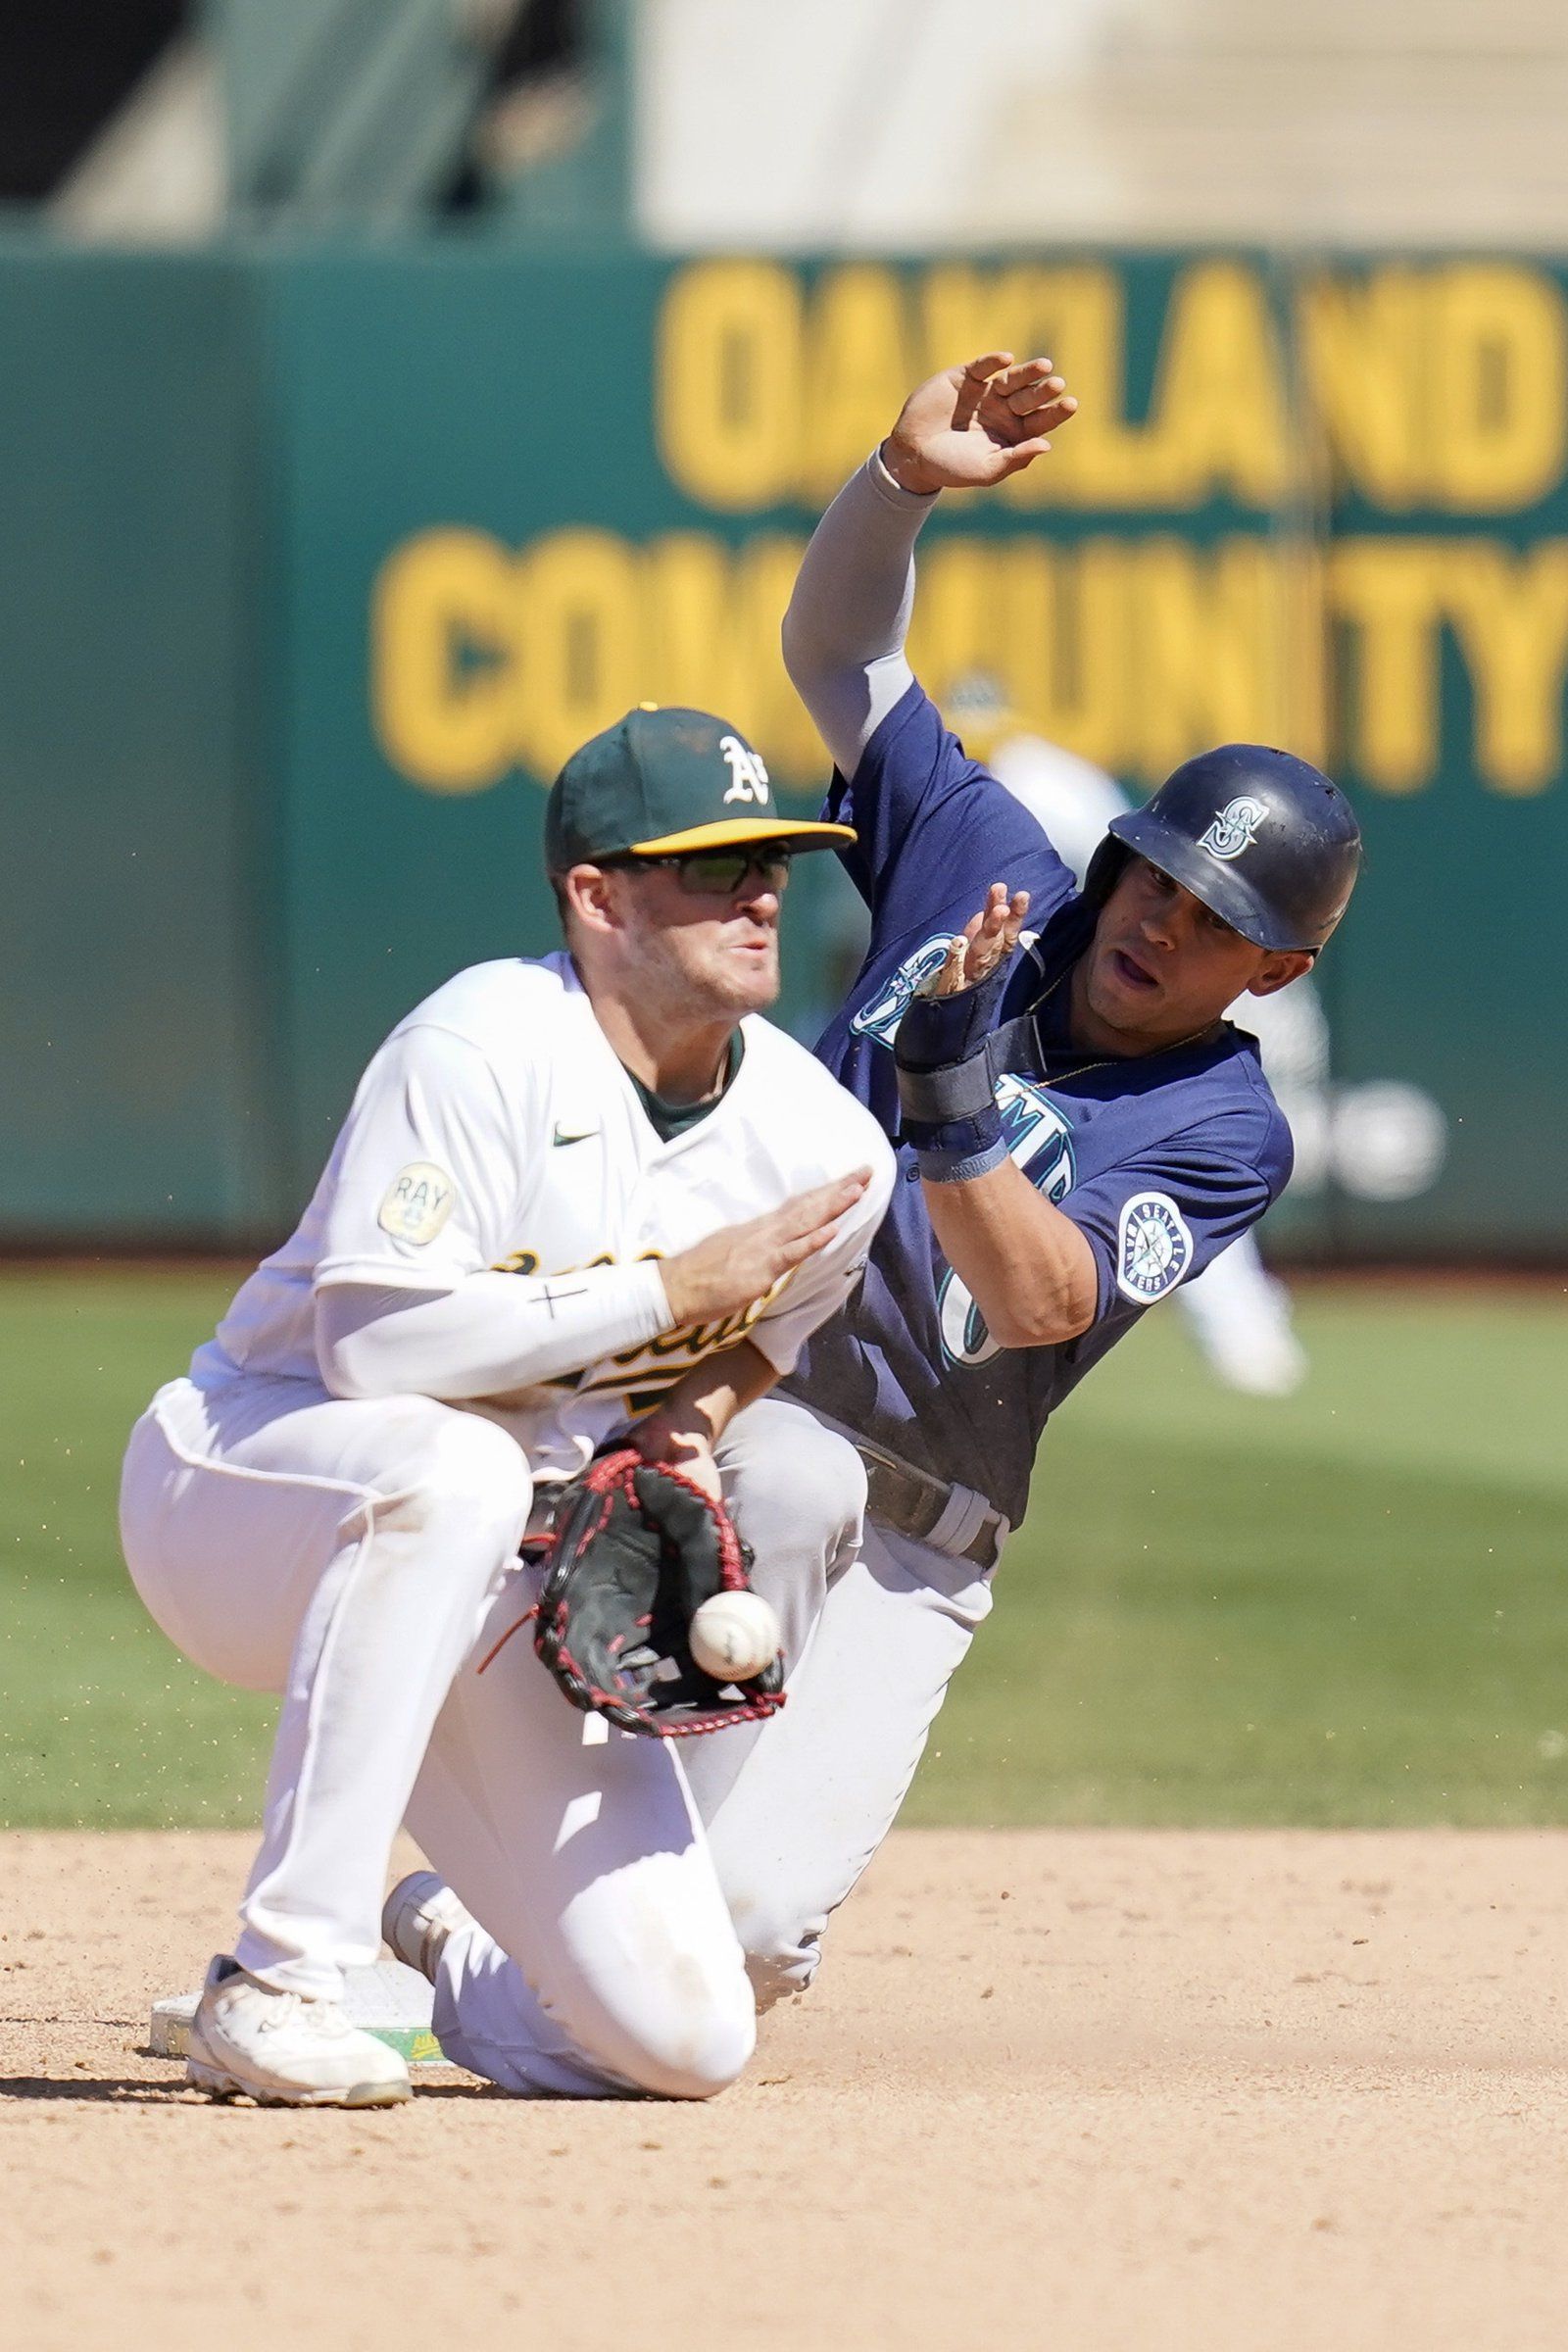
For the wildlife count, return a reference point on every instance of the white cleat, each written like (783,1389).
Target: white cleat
(419,1915)
(249,2040)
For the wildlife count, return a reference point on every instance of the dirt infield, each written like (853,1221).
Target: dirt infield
(1066,2088)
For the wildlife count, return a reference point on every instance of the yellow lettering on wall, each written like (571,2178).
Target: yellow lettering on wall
(711,619)
(858,373)
(580,606)
(689,643)
(711,640)
(954,628)
(1497,385)
(1070,314)
(1094,680)
(728,382)
(1445,383)
(1444,386)
(1304,663)
(1364,361)
(443,640)
(961,311)
(1064,613)
(1389,592)
(1219,413)
(1510,615)
(1206,649)
(1133,651)
(767,706)
(1077,316)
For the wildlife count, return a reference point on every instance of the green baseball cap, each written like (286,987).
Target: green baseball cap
(660,781)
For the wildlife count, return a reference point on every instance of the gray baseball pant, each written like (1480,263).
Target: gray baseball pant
(795,1808)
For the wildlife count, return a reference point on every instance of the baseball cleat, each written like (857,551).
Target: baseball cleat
(249,2040)
(419,1915)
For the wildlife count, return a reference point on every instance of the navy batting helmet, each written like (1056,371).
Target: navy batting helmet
(1256,834)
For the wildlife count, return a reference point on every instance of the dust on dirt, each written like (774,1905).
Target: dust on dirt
(1121,2090)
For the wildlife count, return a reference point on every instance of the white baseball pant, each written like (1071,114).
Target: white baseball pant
(359,1558)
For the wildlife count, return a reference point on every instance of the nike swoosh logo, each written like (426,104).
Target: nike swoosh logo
(559,1138)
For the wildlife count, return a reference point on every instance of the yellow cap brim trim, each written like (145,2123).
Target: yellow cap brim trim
(728,832)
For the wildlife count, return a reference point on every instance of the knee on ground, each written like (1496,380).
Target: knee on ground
(682,2026)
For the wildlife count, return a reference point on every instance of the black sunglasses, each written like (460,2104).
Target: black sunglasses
(719,874)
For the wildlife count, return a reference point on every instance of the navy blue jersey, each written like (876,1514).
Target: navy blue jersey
(1160,1159)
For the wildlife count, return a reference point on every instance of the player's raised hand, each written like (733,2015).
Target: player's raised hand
(741,1263)
(975,425)
(986,941)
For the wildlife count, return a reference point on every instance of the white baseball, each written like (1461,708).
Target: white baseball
(734,1636)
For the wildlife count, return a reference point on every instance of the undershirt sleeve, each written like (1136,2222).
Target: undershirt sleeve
(847,619)
(925,816)
(491,1335)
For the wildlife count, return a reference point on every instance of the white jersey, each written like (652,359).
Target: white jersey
(496,1134)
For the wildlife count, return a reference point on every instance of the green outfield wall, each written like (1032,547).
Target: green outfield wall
(318,560)
(136,1055)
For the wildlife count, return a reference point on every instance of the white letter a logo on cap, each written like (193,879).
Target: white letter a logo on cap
(748,777)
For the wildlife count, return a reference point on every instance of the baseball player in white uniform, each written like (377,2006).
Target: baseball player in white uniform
(1240,1314)
(574,1193)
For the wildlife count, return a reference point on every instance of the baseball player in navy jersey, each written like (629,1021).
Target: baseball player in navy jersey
(587,1193)
(1082,1130)
(1239,1314)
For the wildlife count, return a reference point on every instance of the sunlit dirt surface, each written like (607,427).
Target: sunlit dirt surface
(1054,2088)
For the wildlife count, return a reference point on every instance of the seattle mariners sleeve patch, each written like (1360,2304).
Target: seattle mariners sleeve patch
(1154,1247)
(419,1201)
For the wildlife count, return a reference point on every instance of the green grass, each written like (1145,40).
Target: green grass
(101,1722)
(1349,1608)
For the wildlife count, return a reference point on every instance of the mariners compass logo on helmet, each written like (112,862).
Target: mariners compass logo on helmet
(1233,829)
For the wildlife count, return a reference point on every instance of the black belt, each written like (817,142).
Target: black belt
(913,1503)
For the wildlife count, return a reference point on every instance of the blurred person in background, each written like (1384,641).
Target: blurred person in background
(1239,1314)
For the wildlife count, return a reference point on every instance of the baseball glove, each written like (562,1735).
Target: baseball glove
(634,1549)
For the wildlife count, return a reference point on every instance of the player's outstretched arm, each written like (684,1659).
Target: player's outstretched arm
(492,1333)
(1028,1268)
(846,621)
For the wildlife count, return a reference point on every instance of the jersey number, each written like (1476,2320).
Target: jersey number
(1039,1142)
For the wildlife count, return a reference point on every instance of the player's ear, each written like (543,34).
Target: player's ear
(587,898)
(1278,971)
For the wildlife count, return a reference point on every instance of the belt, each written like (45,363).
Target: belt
(952,1519)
